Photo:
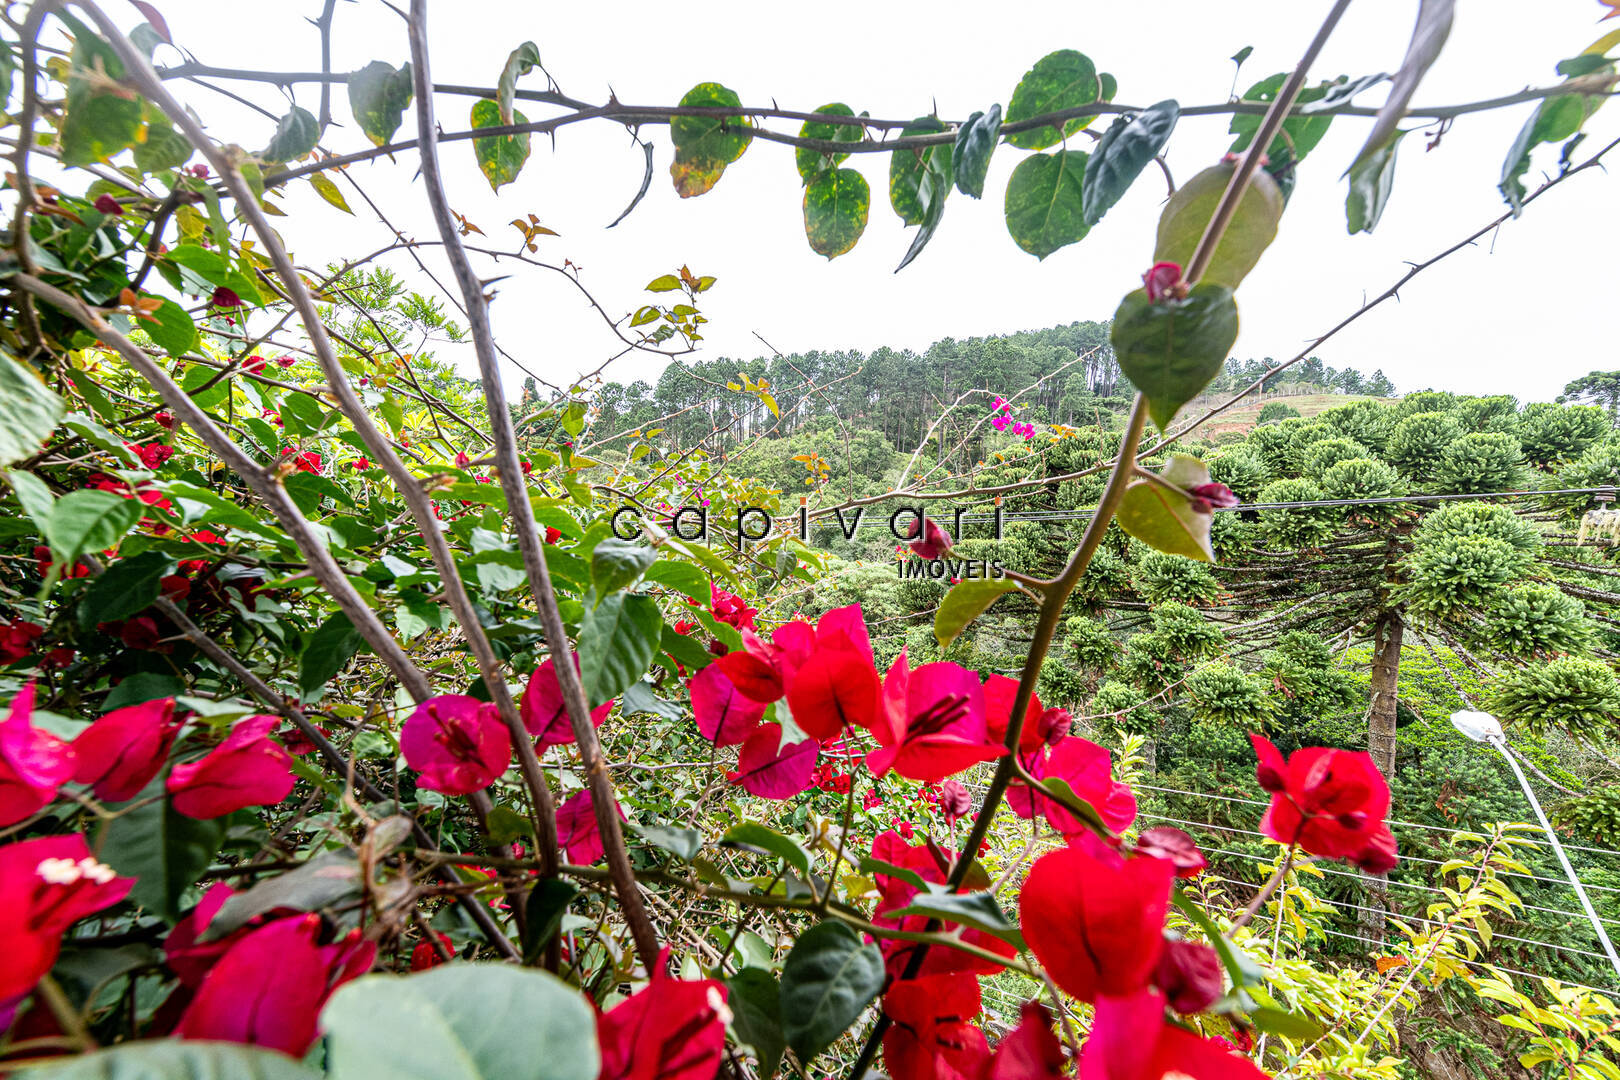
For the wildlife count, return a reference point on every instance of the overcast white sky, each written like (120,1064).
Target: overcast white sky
(1522,315)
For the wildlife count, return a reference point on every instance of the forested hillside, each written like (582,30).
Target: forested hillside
(878,407)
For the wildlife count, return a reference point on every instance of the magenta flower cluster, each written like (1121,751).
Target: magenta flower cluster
(1003,419)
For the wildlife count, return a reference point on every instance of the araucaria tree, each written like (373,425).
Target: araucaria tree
(360,720)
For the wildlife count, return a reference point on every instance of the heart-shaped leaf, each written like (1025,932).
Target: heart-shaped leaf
(1170,349)
(1166,520)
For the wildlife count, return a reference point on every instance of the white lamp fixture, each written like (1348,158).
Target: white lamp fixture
(1485,728)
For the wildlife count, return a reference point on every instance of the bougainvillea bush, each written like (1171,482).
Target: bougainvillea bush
(348,731)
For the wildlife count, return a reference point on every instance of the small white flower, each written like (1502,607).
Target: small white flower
(718,1004)
(58,871)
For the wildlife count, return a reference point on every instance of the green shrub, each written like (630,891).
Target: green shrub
(1365,478)
(1367,422)
(1240,469)
(1160,577)
(1582,696)
(1301,527)
(1119,708)
(1554,433)
(1418,442)
(1090,643)
(1321,456)
(1480,461)
(1273,411)
(1221,693)
(1534,619)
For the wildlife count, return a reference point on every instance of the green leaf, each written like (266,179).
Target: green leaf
(975,909)
(302,414)
(378,97)
(1252,229)
(128,586)
(684,649)
(908,167)
(163,850)
(1554,120)
(812,162)
(523,59)
(1289,1025)
(966,601)
(617,640)
(460,1022)
(1428,36)
(99,121)
(29,411)
(326,189)
(330,647)
(295,136)
(1171,349)
(89,520)
(1240,966)
(684,844)
(1166,520)
(163,148)
(828,980)
(331,877)
(1061,80)
(932,191)
(683,577)
(639,698)
(616,564)
(171,329)
(705,145)
(1299,134)
(33,495)
(1127,147)
(1045,206)
(754,997)
(836,205)
(1371,179)
(751,834)
(547,904)
(975,141)
(197,377)
(500,157)
(141,687)
(664,283)
(174,1059)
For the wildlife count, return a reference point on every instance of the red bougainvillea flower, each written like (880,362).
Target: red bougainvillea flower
(248,769)
(1129,1040)
(954,801)
(18,636)
(164,420)
(671,1029)
(836,685)
(360,464)
(1175,846)
(46,885)
(553,535)
(724,714)
(770,770)
(425,955)
(309,461)
(226,298)
(120,753)
(1170,843)
(897,893)
(1159,279)
(731,609)
(933,1035)
(33,763)
(457,743)
(1330,802)
(1096,922)
(1207,496)
(934,541)
(999,694)
(269,988)
(577,832)
(152,455)
(1085,767)
(933,722)
(108,205)
(1189,974)
(1029,1051)
(142,633)
(544,715)
(183,952)
(286,361)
